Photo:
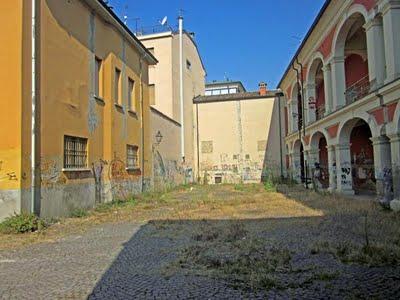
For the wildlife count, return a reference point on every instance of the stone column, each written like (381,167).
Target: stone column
(338,83)
(382,164)
(296,167)
(395,151)
(332,168)
(344,170)
(376,52)
(310,93)
(391,28)
(328,88)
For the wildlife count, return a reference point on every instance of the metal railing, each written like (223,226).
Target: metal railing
(153,29)
(357,90)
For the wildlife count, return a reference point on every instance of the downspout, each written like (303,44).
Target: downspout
(180,20)
(303,123)
(198,142)
(33,113)
(279,94)
(142,119)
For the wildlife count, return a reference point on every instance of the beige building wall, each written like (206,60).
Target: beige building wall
(166,79)
(238,140)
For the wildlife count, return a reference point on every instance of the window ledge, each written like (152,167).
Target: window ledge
(100,100)
(76,170)
(119,106)
(133,113)
(133,169)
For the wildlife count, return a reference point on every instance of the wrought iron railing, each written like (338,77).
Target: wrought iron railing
(153,29)
(358,90)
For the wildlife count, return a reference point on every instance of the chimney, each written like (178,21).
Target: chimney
(262,88)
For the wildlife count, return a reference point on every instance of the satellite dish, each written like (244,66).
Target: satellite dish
(164,21)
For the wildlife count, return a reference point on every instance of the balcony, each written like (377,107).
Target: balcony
(357,90)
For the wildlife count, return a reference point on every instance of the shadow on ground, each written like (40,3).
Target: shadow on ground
(259,258)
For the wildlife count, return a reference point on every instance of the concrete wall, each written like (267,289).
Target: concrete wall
(239,140)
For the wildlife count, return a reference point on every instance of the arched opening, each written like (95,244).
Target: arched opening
(360,156)
(320,151)
(297,107)
(356,58)
(316,79)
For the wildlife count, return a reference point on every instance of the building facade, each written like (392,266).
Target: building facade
(173,164)
(342,90)
(75,107)
(239,138)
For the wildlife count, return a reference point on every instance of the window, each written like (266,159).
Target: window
(233,91)
(98,78)
(132,157)
(208,93)
(247,156)
(75,152)
(131,95)
(235,156)
(224,91)
(117,83)
(188,65)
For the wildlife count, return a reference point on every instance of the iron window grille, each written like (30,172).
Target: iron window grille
(132,157)
(75,152)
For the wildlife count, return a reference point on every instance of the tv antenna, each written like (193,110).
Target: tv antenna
(126,14)
(164,21)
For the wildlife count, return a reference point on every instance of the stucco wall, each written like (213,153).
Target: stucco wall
(239,140)
(167,167)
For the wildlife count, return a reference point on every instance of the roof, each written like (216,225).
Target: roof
(316,21)
(217,83)
(108,14)
(236,97)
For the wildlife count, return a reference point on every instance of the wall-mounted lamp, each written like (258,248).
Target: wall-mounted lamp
(159,138)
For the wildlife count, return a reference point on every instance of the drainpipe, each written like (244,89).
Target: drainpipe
(33,113)
(180,20)
(142,118)
(279,94)
(303,123)
(198,143)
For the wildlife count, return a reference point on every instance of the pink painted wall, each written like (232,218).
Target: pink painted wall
(355,69)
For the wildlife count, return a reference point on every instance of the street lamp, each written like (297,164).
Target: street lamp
(159,138)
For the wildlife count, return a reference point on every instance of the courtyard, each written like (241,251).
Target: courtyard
(222,241)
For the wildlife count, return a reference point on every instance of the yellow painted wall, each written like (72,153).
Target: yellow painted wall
(244,136)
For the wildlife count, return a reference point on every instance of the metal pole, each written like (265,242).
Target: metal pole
(280,131)
(180,20)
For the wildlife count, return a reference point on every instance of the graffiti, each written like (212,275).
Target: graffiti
(50,170)
(345,175)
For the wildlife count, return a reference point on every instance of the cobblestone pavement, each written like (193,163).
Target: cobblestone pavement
(129,260)
(126,261)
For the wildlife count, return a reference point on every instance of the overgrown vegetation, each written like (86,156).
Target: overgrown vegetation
(104,207)
(79,213)
(22,223)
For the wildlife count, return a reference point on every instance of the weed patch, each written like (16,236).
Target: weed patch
(22,223)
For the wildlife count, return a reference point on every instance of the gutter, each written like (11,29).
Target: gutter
(309,32)
(142,119)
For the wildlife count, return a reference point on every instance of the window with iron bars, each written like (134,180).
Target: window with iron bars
(132,157)
(75,152)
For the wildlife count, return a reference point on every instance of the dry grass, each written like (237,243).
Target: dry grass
(224,202)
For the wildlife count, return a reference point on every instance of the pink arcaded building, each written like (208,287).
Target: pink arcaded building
(342,89)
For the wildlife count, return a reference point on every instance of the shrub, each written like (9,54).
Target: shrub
(21,223)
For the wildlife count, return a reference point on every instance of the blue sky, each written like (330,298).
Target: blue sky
(251,41)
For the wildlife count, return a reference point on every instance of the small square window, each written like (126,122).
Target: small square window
(235,156)
(75,152)
(207,147)
(247,156)
(132,157)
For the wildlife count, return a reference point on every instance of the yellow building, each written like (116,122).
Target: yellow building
(238,134)
(82,135)
(166,120)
